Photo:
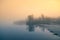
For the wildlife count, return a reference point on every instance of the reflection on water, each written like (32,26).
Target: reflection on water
(32,28)
(19,32)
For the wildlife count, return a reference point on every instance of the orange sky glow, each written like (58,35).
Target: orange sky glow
(19,9)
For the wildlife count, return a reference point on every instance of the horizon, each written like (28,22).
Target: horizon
(30,19)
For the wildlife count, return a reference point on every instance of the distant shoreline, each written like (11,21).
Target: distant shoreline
(20,22)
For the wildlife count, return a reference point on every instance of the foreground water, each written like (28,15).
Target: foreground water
(23,32)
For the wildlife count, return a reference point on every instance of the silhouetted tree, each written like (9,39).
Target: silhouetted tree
(30,20)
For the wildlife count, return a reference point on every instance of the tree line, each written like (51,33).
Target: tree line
(42,20)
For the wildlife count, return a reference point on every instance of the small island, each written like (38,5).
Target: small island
(52,24)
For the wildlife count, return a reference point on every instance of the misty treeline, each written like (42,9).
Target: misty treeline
(42,20)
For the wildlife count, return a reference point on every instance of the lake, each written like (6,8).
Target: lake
(24,32)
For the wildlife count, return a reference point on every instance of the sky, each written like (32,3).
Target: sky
(13,10)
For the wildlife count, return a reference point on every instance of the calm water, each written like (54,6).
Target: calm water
(24,32)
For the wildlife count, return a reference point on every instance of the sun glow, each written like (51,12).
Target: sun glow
(19,9)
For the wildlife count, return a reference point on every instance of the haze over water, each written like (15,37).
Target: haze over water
(14,10)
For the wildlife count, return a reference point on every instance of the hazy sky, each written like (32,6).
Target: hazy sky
(19,9)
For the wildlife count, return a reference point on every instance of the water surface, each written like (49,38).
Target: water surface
(24,32)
